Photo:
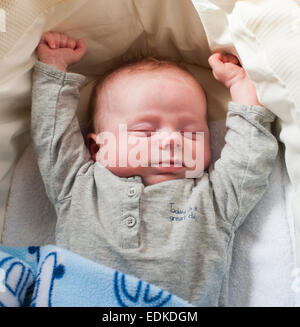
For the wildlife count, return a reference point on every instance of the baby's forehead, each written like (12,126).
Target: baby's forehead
(147,68)
(143,76)
(144,81)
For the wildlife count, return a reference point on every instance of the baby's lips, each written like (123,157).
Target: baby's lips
(166,163)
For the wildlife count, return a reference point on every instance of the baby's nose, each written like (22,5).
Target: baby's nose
(170,139)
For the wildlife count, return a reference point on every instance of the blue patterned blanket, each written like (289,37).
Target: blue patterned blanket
(51,276)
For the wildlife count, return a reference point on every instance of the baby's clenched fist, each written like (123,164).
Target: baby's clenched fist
(59,51)
(226,69)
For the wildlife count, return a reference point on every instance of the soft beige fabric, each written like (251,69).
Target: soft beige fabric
(114,31)
(265,35)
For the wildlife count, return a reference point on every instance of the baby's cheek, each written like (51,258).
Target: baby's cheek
(138,152)
(192,152)
(207,156)
(125,159)
(107,153)
(196,157)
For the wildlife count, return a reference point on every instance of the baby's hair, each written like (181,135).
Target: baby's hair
(145,64)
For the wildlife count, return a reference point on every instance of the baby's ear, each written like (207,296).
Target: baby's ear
(92,145)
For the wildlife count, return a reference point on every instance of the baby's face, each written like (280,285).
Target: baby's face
(155,118)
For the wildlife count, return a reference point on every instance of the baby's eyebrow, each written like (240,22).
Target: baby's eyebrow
(153,120)
(184,120)
(150,118)
(189,121)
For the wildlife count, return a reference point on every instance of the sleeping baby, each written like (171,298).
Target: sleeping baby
(139,194)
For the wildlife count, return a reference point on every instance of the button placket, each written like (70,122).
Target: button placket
(130,216)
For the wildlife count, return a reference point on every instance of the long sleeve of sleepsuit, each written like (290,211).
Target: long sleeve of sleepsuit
(57,137)
(239,178)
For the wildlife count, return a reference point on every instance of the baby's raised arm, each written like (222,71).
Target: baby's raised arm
(57,138)
(240,176)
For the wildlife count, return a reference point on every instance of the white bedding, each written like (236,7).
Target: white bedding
(265,35)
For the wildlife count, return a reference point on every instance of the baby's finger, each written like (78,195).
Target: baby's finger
(63,40)
(216,63)
(57,37)
(48,38)
(71,43)
(214,58)
(231,59)
(80,49)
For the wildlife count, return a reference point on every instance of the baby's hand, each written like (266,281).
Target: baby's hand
(227,70)
(59,51)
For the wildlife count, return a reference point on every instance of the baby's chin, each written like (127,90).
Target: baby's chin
(149,176)
(158,178)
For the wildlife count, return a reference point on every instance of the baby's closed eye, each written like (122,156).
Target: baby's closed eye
(142,132)
(191,134)
(151,132)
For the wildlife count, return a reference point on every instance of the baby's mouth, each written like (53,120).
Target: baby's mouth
(169,165)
